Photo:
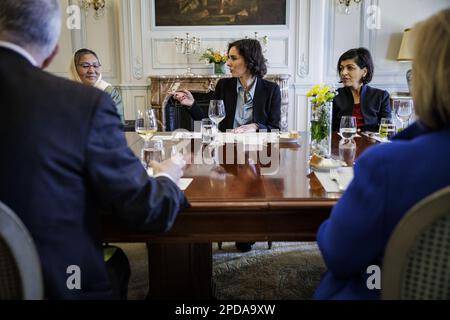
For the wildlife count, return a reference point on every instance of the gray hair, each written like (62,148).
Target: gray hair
(35,23)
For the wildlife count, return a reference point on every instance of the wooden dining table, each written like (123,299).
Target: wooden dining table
(246,200)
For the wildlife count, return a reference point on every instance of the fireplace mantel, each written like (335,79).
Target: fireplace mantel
(161,84)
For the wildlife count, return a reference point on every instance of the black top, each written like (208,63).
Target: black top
(374,106)
(266,104)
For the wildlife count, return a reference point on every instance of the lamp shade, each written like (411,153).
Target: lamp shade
(406,48)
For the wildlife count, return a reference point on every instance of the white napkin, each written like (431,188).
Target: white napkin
(183,184)
(253,140)
(187,135)
(165,137)
(345,177)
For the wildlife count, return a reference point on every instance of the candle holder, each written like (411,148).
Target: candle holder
(187,46)
(263,41)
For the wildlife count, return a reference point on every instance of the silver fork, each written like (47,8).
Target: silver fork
(334,175)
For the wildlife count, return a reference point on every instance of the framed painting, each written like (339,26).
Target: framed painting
(176,13)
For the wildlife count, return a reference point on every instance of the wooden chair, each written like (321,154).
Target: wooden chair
(416,264)
(20,268)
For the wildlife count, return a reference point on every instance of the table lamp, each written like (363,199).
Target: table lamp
(406,53)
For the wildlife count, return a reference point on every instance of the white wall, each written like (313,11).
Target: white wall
(131,48)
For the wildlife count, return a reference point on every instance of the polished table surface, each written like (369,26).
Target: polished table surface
(238,202)
(232,202)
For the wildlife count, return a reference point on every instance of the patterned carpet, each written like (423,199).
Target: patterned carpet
(288,271)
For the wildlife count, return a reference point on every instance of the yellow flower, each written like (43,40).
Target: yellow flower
(314,91)
(324,90)
(321,94)
(214,56)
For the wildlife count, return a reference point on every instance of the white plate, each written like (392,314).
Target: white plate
(284,137)
(335,164)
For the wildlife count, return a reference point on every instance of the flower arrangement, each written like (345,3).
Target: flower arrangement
(321,94)
(320,124)
(212,56)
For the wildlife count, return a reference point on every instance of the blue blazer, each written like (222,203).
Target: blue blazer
(375,105)
(266,104)
(389,180)
(65,158)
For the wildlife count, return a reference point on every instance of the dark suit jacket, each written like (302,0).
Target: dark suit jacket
(389,180)
(374,106)
(266,104)
(64,157)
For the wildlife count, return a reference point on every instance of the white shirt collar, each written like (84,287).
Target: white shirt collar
(19,50)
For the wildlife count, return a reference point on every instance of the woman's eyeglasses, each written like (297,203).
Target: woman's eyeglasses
(87,66)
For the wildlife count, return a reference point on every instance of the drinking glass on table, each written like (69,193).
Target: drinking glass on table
(152,151)
(348,127)
(216,113)
(387,128)
(347,151)
(403,111)
(146,123)
(207,130)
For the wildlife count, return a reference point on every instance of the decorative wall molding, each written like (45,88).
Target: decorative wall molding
(163,54)
(304,37)
(136,39)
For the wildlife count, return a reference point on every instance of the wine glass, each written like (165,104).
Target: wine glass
(403,111)
(387,128)
(146,123)
(347,127)
(216,112)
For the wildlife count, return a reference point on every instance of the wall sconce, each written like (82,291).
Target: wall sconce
(405,53)
(345,5)
(97,5)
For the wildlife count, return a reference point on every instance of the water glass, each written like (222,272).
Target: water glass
(152,151)
(347,151)
(387,128)
(403,111)
(348,127)
(216,111)
(207,130)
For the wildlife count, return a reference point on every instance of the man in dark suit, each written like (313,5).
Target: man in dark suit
(65,158)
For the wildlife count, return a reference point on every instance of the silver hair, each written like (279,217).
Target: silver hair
(35,23)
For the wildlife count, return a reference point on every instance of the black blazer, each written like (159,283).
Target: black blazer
(266,104)
(374,106)
(64,158)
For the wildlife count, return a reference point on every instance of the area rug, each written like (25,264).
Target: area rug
(287,271)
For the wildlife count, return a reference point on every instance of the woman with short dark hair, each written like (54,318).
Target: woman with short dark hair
(357,98)
(251,103)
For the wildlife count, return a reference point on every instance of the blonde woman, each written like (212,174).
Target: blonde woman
(355,235)
(86,68)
